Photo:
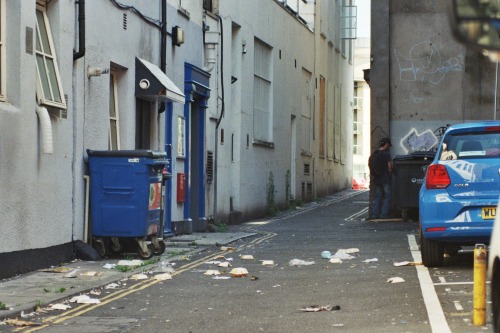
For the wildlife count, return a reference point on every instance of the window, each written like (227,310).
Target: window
(262,117)
(2,50)
(114,133)
(49,89)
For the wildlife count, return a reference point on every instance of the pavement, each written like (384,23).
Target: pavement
(20,295)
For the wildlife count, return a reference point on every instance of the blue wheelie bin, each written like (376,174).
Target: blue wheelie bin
(126,201)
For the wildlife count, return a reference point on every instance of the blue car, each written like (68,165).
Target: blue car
(457,202)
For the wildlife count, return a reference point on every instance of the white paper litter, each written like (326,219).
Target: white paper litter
(299,262)
(342,256)
(239,272)
(224,264)
(408,263)
(163,277)
(247,257)
(212,272)
(59,307)
(139,277)
(135,262)
(109,266)
(335,261)
(221,277)
(396,279)
(84,299)
(370,260)
(71,274)
(349,251)
(267,262)
(112,286)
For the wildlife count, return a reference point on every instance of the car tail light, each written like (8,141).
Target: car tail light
(493,128)
(435,229)
(437,177)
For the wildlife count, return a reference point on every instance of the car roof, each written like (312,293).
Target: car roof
(476,126)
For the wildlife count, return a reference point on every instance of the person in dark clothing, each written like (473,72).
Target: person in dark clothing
(380,164)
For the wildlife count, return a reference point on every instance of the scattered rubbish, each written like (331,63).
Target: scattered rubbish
(109,266)
(239,272)
(370,260)
(163,277)
(277,285)
(224,264)
(212,272)
(20,323)
(135,262)
(335,260)
(95,292)
(220,257)
(247,257)
(342,255)
(326,254)
(27,315)
(91,273)
(258,291)
(55,270)
(267,262)
(165,267)
(112,286)
(221,277)
(71,274)
(395,280)
(338,325)
(84,299)
(352,266)
(349,251)
(254,278)
(213,262)
(226,248)
(59,307)
(408,263)
(140,276)
(317,308)
(299,262)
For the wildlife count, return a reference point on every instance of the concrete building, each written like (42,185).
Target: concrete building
(253,110)
(421,78)
(361,112)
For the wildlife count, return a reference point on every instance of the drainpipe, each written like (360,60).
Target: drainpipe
(81,30)
(46,130)
(163,44)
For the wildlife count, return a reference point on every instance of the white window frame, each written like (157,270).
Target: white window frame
(3,57)
(262,96)
(53,80)
(114,120)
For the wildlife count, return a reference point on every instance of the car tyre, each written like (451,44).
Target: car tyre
(432,252)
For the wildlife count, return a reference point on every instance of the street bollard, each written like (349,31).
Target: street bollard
(479,314)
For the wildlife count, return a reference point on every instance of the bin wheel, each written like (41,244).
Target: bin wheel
(146,254)
(100,246)
(404,214)
(161,248)
(115,245)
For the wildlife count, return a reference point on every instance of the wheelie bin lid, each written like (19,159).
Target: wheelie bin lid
(418,155)
(128,153)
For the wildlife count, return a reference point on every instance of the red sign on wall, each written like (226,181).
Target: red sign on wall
(181,187)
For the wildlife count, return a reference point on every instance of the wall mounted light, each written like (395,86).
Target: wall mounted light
(96,71)
(177,36)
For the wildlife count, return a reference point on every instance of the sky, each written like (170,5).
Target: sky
(363,30)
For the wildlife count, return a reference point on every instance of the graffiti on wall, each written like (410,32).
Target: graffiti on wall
(424,141)
(424,63)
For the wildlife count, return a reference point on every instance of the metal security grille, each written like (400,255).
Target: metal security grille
(210,166)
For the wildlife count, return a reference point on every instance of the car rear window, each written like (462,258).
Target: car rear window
(471,145)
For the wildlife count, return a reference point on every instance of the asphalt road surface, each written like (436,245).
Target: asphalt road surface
(354,295)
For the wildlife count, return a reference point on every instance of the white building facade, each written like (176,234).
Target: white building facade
(254,110)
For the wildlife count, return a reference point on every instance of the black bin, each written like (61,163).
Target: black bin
(409,173)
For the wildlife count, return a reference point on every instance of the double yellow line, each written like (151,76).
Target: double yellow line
(136,287)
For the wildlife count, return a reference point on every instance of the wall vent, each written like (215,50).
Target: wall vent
(210,166)
(124,21)
(29,40)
